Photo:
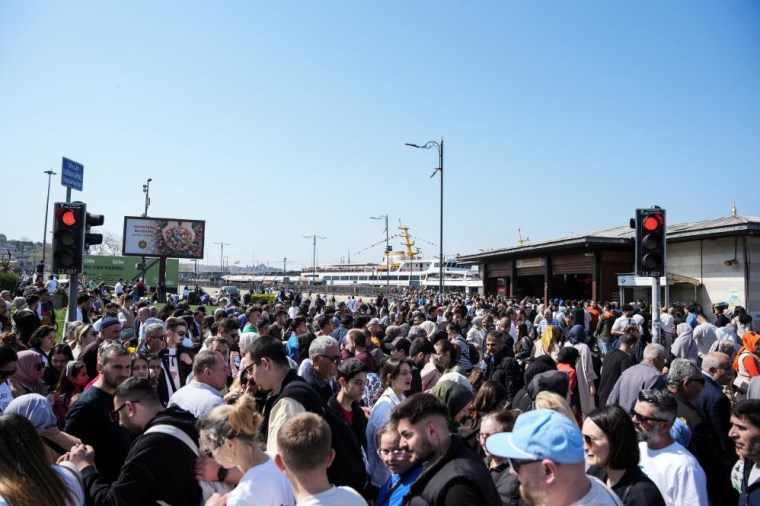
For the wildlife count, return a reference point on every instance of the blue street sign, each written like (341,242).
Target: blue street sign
(72,174)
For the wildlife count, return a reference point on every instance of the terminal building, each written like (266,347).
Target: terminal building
(711,261)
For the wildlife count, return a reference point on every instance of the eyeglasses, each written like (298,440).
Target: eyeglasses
(697,380)
(7,374)
(122,406)
(334,359)
(642,418)
(396,452)
(157,337)
(517,464)
(181,333)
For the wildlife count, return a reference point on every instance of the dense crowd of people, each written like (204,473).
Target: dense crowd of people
(412,399)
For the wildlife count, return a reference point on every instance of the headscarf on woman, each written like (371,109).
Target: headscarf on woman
(429,327)
(576,334)
(34,408)
(684,345)
(37,410)
(26,371)
(749,341)
(550,337)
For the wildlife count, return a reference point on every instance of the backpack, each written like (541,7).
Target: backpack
(349,466)
(474,354)
(472,351)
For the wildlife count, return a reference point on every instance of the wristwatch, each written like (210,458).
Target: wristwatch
(221,475)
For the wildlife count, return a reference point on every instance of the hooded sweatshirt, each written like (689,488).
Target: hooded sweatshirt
(159,467)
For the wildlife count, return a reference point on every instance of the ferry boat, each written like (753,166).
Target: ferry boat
(399,269)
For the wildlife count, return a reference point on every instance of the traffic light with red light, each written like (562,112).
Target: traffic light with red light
(68,237)
(650,242)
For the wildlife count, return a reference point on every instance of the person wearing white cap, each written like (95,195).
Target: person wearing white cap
(545,451)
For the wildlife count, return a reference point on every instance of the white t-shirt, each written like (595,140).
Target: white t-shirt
(676,473)
(336,496)
(5,395)
(263,484)
(598,495)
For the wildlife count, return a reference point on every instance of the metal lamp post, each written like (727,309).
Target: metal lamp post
(438,146)
(314,238)
(221,244)
(387,253)
(50,173)
(146,190)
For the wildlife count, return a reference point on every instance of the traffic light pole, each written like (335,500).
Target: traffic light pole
(656,310)
(71,314)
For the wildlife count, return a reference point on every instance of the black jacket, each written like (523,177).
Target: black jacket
(159,467)
(321,385)
(360,419)
(707,450)
(504,369)
(749,495)
(634,488)
(165,390)
(348,466)
(459,477)
(508,485)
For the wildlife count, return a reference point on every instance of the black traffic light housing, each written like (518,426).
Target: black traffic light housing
(93,220)
(68,237)
(651,242)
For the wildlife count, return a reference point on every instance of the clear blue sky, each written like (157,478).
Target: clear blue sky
(279,119)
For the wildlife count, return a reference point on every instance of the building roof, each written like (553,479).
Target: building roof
(622,236)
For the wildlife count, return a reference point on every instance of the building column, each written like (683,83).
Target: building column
(512,279)
(547,278)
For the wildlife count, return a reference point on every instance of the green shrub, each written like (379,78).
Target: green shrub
(262,298)
(8,281)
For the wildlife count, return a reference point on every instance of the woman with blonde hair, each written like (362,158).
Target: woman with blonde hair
(85,334)
(26,477)
(70,337)
(549,343)
(555,402)
(230,433)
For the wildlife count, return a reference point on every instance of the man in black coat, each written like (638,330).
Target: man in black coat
(686,382)
(453,474)
(501,366)
(160,465)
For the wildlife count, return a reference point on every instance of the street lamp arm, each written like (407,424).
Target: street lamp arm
(427,145)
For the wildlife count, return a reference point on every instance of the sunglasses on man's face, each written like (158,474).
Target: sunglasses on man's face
(517,464)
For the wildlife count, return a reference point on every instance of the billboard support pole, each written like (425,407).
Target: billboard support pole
(162,279)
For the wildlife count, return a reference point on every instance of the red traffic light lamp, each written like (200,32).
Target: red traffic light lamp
(650,242)
(68,237)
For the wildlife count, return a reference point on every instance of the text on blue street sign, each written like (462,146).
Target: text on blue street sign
(72,174)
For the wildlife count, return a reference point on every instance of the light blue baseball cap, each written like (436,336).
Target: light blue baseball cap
(537,435)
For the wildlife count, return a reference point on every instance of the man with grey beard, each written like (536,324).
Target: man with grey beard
(669,465)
